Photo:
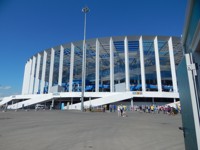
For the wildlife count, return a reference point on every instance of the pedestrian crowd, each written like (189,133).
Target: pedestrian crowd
(156,109)
(152,109)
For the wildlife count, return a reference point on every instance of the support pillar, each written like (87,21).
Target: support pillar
(153,100)
(43,72)
(52,104)
(51,70)
(157,64)
(174,100)
(132,104)
(90,101)
(31,86)
(111,65)
(71,100)
(97,67)
(142,65)
(36,88)
(25,79)
(172,65)
(61,65)
(71,67)
(29,76)
(127,74)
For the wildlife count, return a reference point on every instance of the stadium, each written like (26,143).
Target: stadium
(132,69)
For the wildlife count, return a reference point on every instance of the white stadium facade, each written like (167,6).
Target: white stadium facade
(132,69)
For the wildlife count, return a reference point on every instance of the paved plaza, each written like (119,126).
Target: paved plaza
(73,130)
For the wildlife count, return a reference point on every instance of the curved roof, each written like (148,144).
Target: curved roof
(106,39)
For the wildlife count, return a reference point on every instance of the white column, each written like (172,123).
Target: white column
(153,100)
(31,86)
(174,100)
(36,88)
(52,103)
(61,65)
(43,72)
(172,64)
(26,78)
(111,65)
(142,64)
(127,73)
(71,100)
(29,75)
(97,67)
(51,69)
(71,67)
(157,64)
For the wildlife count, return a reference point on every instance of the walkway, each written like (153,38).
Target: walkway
(73,130)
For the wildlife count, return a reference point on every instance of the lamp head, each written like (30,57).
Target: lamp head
(85,10)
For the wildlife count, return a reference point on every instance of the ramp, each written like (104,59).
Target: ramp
(31,101)
(103,101)
(6,100)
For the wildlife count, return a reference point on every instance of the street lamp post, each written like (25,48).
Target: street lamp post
(85,10)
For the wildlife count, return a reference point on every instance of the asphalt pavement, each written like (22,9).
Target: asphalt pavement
(74,130)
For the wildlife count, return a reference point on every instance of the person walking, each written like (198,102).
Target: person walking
(114,108)
(119,110)
(124,111)
(110,108)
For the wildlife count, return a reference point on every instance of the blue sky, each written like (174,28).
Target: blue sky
(30,26)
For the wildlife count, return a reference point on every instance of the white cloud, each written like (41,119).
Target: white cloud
(6,90)
(6,94)
(5,87)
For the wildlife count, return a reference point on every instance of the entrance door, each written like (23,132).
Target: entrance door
(189,102)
